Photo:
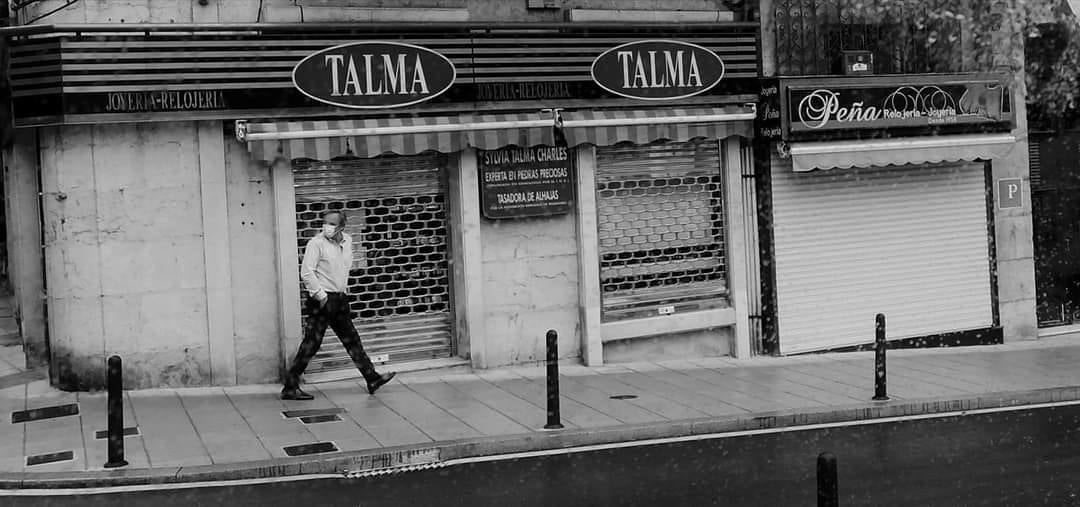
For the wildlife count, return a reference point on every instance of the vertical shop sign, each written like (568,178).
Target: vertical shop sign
(768,122)
(525,182)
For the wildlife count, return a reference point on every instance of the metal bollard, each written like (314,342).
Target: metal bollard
(553,419)
(879,360)
(828,490)
(116,413)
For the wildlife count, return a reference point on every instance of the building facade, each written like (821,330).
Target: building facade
(624,177)
(894,177)
(506,170)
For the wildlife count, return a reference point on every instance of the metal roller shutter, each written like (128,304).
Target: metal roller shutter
(661,228)
(397,217)
(910,242)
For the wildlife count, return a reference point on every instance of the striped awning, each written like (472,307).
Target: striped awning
(365,138)
(643,126)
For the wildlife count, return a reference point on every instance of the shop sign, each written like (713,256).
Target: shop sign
(1010,193)
(523,91)
(371,75)
(768,123)
(166,100)
(657,70)
(525,182)
(854,105)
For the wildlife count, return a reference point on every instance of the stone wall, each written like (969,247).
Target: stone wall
(126,258)
(530,286)
(124,253)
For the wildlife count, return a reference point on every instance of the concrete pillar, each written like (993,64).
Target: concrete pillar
(1013,230)
(25,266)
(219,307)
(768,38)
(1014,242)
(592,344)
(288,269)
(466,247)
(731,153)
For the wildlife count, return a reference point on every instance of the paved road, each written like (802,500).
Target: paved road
(1021,458)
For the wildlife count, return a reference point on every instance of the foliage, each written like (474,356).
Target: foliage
(1039,37)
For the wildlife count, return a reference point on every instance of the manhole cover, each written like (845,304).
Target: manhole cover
(624,396)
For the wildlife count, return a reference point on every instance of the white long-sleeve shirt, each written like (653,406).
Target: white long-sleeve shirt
(326,265)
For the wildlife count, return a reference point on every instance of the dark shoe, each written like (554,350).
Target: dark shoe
(295,394)
(374,385)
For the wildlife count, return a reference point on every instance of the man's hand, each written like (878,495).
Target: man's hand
(322,301)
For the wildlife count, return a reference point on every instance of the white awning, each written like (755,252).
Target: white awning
(912,150)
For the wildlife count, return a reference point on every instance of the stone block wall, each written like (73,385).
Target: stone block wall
(123,253)
(126,257)
(530,286)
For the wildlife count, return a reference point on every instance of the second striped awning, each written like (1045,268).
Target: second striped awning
(643,126)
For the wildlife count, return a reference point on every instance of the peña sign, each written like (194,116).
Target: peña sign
(657,70)
(370,75)
(850,104)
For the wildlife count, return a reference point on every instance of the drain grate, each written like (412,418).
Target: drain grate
(52,457)
(128,432)
(38,414)
(311,412)
(316,419)
(624,397)
(306,449)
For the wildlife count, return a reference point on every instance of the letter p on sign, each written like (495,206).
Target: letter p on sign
(1010,193)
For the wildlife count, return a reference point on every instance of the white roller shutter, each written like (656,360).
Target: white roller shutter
(910,242)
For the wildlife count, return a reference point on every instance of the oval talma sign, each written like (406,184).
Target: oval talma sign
(657,70)
(370,75)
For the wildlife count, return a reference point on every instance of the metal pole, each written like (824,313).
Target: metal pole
(828,490)
(879,360)
(116,414)
(553,422)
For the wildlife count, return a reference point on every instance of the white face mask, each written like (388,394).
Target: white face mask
(329,230)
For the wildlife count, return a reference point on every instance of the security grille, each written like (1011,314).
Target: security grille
(1035,163)
(399,285)
(661,228)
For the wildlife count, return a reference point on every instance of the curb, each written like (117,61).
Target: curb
(391,458)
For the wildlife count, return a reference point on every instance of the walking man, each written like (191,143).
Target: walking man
(325,270)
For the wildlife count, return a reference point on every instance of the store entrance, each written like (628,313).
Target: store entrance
(1055,202)
(399,287)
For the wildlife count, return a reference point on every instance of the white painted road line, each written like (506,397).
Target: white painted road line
(534,454)
(764,431)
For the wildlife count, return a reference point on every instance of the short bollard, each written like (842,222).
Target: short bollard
(828,491)
(553,419)
(879,360)
(116,414)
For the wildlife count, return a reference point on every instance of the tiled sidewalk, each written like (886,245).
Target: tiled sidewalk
(214,426)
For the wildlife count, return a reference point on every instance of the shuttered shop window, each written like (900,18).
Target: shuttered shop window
(397,217)
(910,242)
(661,228)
